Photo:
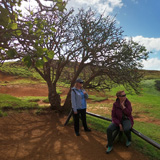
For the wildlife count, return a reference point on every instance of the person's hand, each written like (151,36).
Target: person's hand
(75,112)
(120,127)
(122,104)
(84,92)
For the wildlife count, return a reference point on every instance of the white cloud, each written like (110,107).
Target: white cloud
(91,2)
(152,44)
(32,5)
(151,64)
(106,7)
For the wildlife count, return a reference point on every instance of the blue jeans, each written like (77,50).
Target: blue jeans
(126,124)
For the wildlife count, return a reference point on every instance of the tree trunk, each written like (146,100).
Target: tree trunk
(75,67)
(67,104)
(54,97)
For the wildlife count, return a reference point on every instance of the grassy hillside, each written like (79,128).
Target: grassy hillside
(146,106)
(8,102)
(151,74)
(18,69)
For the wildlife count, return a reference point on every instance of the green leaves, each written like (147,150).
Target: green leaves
(11,53)
(27,61)
(39,63)
(53,29)
(37,31)
(51,54)
(61,5)
(18,32)
(4,17)
(45,59)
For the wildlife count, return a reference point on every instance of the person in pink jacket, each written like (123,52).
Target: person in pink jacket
(121,119)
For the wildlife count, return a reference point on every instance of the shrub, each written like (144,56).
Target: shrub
(3,114)
(39,111)
(157,85)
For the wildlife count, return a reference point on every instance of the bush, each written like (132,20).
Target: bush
(39,111)
(157,85)
(3,114)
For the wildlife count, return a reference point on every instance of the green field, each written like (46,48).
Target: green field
(146,105)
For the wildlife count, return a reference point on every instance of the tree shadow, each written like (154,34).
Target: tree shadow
(25,136)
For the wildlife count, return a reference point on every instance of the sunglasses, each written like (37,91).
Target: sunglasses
(122,95)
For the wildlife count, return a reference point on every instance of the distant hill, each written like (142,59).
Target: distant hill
(151,74)
(18,69)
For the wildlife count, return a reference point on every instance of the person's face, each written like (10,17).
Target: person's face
(122,97)
(79,85)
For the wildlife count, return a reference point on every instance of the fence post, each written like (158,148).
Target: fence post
(68,118)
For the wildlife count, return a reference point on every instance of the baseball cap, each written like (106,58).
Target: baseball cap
(79,80)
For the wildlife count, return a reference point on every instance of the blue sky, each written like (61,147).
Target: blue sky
(140,19)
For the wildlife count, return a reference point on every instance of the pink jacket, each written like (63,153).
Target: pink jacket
(117,112)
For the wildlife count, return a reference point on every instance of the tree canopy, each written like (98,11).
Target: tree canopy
(50,38)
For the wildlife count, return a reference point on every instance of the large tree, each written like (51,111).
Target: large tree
(50,38)
(42,35)
(106,57)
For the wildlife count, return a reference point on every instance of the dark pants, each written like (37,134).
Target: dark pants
(82,113)
(126,124)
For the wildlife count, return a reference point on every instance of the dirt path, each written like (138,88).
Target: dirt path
(25,136)
(25,90)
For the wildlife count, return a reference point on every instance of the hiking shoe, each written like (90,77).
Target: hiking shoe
(77,134)
(109,149)
(87,130)
(128,143)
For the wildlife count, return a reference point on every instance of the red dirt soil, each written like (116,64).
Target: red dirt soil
(25,90)
(25,136)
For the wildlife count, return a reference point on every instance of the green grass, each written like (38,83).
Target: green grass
(148,101)
(32,98)
(10,102)
(63,84)
(19,82)
(138,143)
(24,81)
(152,131)
(39,111)
(3,114)
(46,100)
(95,98)
(151,74)
(103,109)
(17,69)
